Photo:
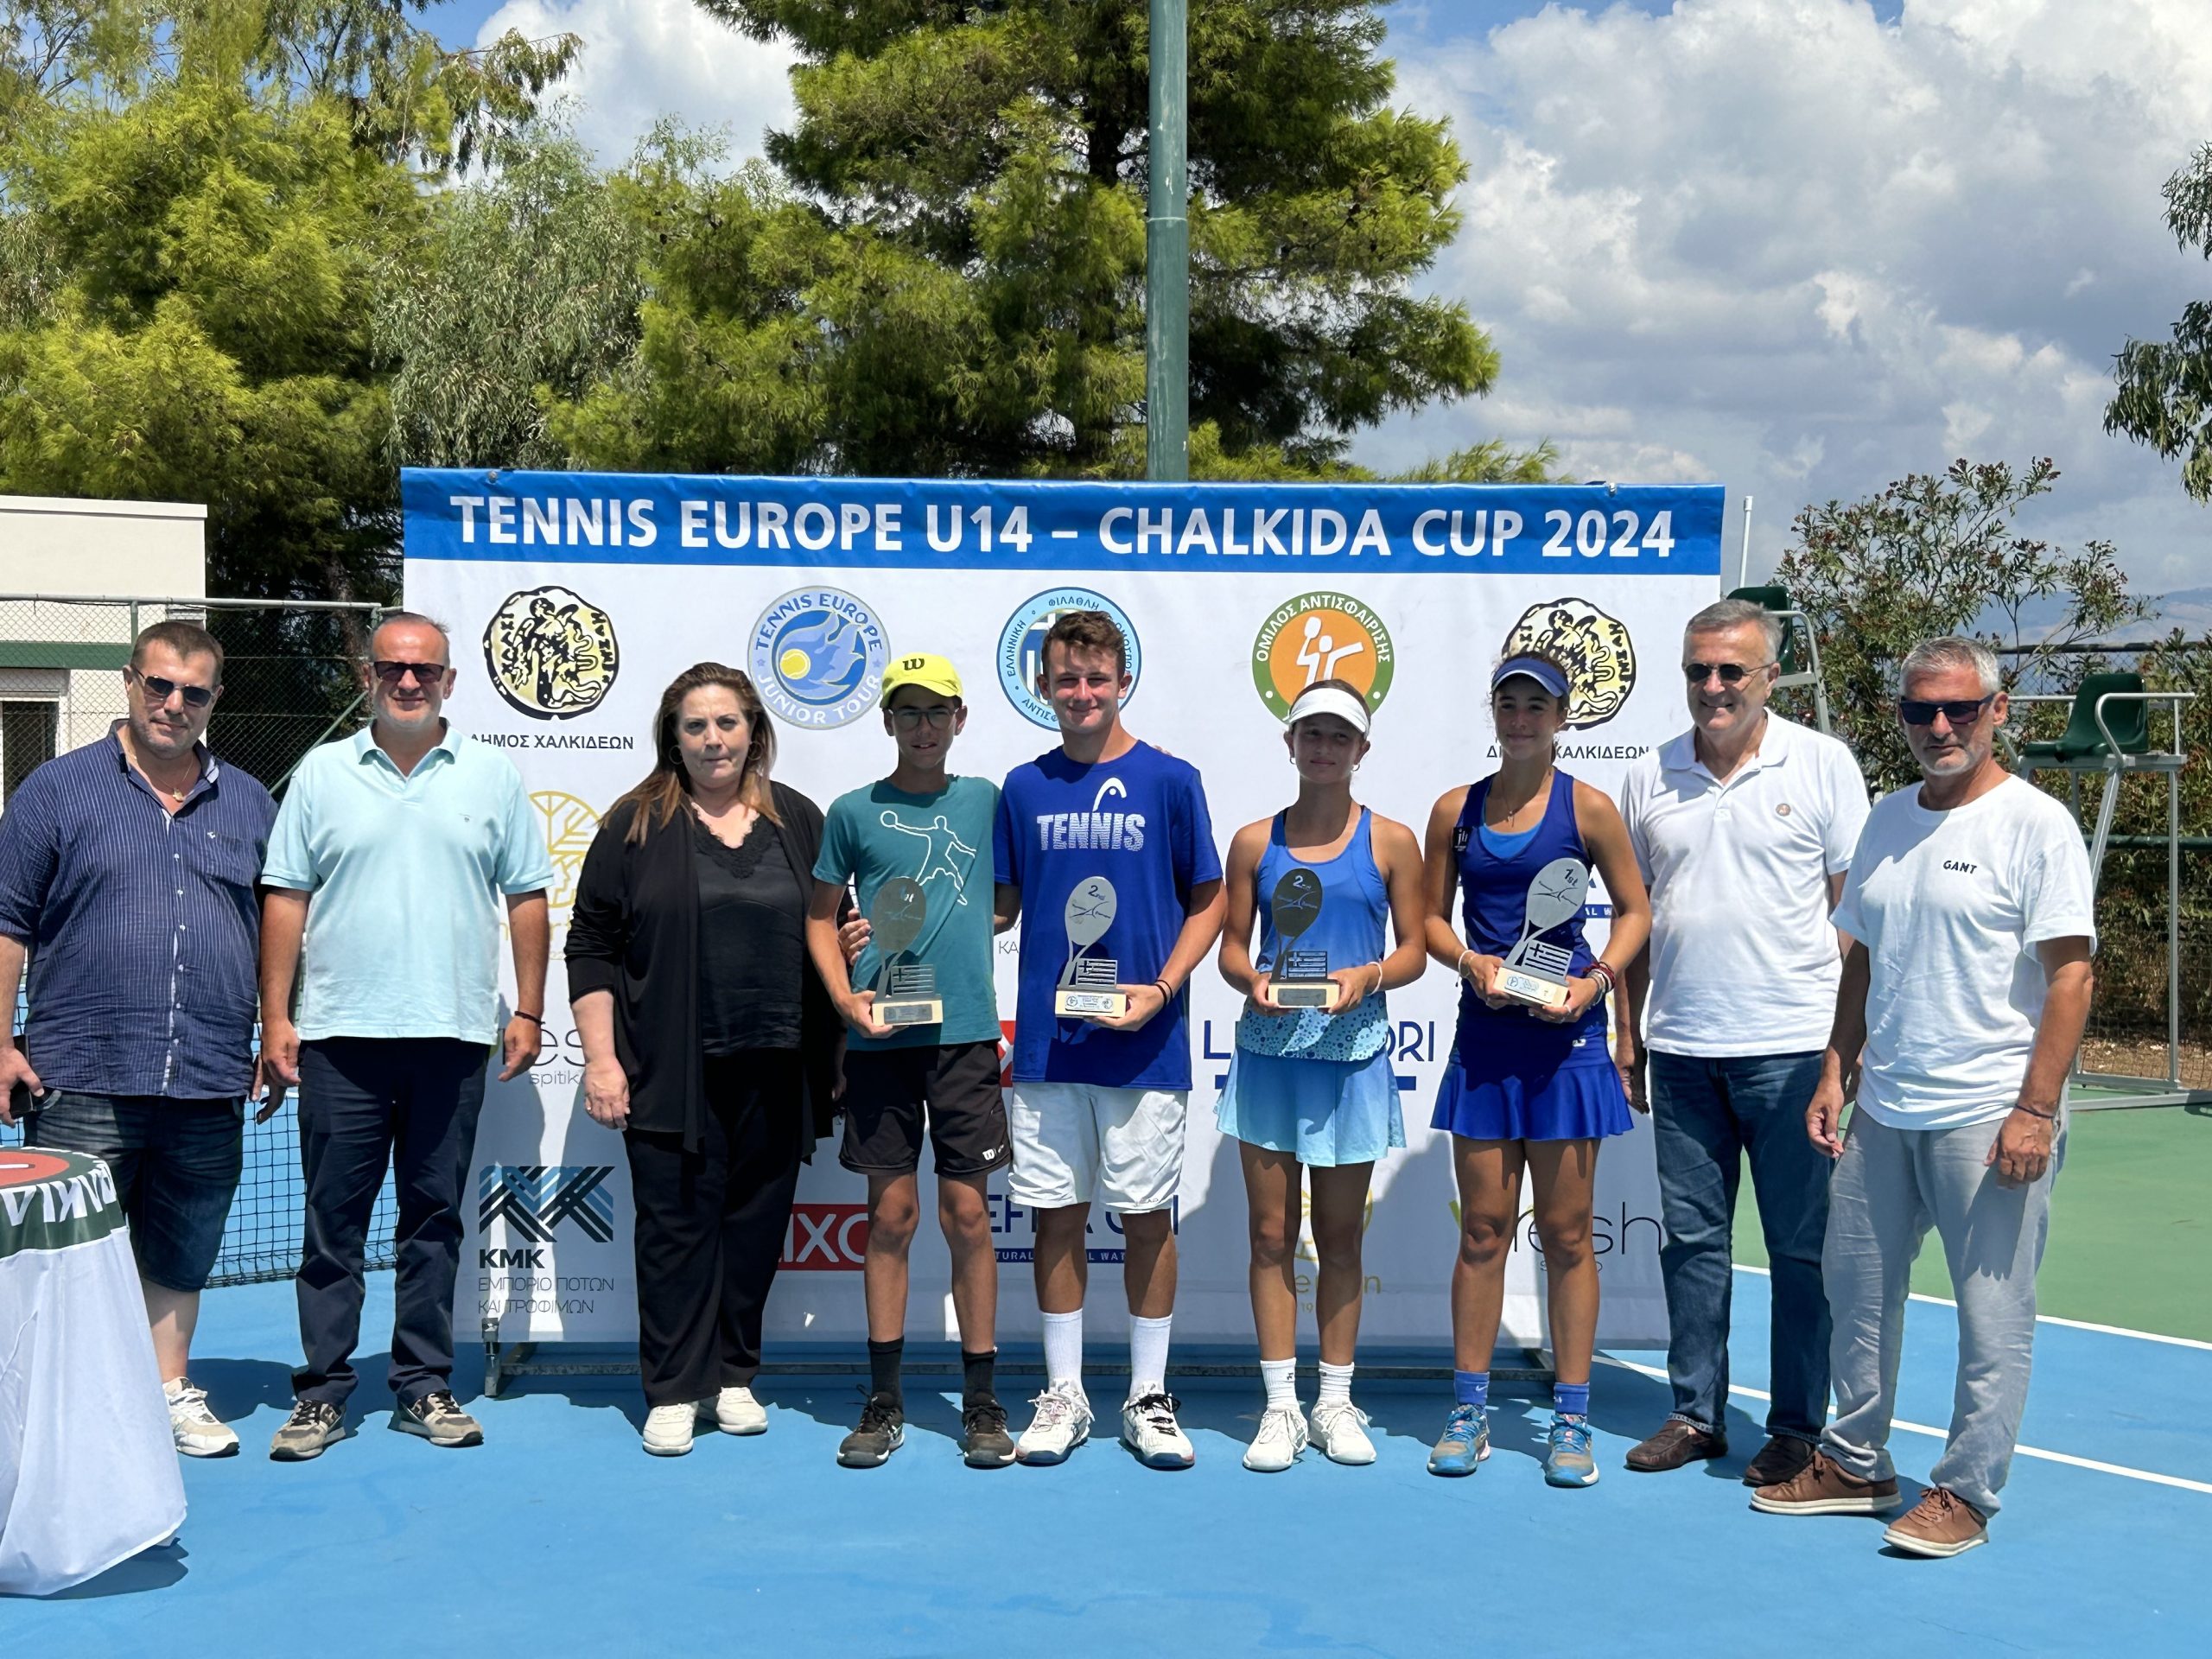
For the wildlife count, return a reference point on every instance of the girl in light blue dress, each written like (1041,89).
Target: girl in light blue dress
(1309,1088)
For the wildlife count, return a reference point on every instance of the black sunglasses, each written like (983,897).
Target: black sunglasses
(159,690)
(1730,673)
(1914,712)
(424,673)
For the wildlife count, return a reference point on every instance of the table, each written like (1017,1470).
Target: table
(88,1471)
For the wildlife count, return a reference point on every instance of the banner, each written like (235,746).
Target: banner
(573,599)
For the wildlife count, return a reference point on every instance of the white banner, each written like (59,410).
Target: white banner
(567,625)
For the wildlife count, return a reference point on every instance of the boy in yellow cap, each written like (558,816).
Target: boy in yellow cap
(932,828)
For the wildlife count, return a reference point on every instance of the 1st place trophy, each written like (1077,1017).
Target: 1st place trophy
(1535,972)
(1089,986)
(905,992)
(1301,977)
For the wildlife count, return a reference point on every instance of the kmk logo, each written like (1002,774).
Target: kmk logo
(826,1238)
(534,1199)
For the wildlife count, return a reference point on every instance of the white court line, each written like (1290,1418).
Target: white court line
(2041,1319)
(2152,1476)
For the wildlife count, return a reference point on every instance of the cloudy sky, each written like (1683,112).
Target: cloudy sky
(1799,246)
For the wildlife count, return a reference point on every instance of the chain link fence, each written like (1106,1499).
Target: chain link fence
(291,680)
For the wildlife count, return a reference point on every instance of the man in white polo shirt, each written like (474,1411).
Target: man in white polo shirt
(1962,1002)
(1744,826)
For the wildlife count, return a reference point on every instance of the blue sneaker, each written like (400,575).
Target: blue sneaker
(1568,1460)
(1465,1443)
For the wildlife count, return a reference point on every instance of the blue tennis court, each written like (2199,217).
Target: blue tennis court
(560,1535)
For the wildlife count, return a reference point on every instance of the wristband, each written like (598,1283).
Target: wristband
(1166,995)
(1378,980)
(524,1014)
(2048,1117)
(1460,967)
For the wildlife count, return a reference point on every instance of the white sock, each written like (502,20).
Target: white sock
(1063,1350)
(1279,1377)
(1148,1356)
(1336,1385)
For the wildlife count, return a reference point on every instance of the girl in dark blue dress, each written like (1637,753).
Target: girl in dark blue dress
(1527,1087)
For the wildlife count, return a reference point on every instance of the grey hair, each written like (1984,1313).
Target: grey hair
(1736,613)
(418,618)
(1952,650)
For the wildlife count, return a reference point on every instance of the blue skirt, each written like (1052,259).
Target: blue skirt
(1325,1112)
(1582,1101)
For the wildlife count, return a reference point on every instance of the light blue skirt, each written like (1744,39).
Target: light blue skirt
(1325,1112)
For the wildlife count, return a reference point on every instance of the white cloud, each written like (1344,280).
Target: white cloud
(1785,245)
(646,58)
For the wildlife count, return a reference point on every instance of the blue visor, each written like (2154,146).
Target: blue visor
(1535,668)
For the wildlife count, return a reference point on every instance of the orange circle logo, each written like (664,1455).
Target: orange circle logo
(1322,636)
(21,1167)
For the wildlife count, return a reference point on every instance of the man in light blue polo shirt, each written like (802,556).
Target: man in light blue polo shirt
(392,852)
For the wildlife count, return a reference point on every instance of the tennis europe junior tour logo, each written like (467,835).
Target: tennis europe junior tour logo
(817,658)
(534,1199)
(1321,636)
(1021,646)
(1593,647)
(551,652)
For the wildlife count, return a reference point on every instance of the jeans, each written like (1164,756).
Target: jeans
(410,1102)
(175,1164)
(1707,1115)
(1890,1186)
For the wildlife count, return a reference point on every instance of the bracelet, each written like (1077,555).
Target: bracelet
(1604,974)
(2048,1117)
(1460,967)
(1166,994)
(524,1014)
(1378,980)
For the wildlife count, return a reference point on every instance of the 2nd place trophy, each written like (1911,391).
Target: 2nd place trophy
(1536,972)
(1300,978)
(1089,987)
(905,992)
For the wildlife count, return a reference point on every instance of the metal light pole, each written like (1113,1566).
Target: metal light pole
(1167,252)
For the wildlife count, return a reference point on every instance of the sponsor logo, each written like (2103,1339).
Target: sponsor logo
(569,824)
(52,1202)
(535,1200)
(1010,1217)
(1595,649)
(817,658)
(19,1167)
(825,1238)
(1321,636)
(1021,647)
(551,653)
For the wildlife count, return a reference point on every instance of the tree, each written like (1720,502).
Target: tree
(945,273)
(1931,556)
(220,239)
(2165,396)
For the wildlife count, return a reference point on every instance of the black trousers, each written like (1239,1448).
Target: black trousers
(710,1227)
(367,1102)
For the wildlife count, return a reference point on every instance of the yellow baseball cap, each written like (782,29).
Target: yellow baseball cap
(931,672)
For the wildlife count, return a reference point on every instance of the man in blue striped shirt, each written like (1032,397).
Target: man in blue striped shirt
(127,870)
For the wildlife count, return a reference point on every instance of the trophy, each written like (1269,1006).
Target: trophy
(1089,986)
(905,992)
(1536,972)
(1301,977)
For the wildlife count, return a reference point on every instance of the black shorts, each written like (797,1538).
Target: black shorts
(887,1090)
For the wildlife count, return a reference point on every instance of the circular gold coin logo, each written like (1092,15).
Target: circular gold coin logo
(551,652)
(1594,648)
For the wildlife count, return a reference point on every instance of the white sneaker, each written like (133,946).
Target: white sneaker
(1062,1423)
(1149,1429)
(1341,1430)
(1280,1438)
(668,1430)
(198,1432)
(736,1412)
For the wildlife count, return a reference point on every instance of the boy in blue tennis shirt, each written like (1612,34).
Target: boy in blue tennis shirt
(1098,1103)
(928,827)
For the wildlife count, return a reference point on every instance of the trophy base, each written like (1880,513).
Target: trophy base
(910,1011)
(1089,1004)
(1324,994)
(1527,988)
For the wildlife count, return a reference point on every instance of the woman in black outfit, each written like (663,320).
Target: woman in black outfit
(708,1040)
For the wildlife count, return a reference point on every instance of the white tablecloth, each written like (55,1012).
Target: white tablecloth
(88,1471)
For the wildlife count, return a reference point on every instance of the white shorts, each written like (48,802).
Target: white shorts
(1075,1141)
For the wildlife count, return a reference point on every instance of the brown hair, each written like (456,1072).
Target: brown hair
(662,792)
(1093,631)
(185,639)
(1551,658)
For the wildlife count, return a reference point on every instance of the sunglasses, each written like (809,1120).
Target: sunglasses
(426,674)
(159,690)
(1914,712)
(1730,673)
(908,720)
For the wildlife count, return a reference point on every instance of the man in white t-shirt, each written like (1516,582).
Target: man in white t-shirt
(1971,899)
(1743,827)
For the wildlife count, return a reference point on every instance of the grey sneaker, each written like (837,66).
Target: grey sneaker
(438,1418)
(882,1431)
(983,1439)
(313,1425)
(198,1432)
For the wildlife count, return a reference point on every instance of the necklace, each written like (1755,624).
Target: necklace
(1541,793)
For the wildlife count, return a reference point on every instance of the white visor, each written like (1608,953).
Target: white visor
(1330,700)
